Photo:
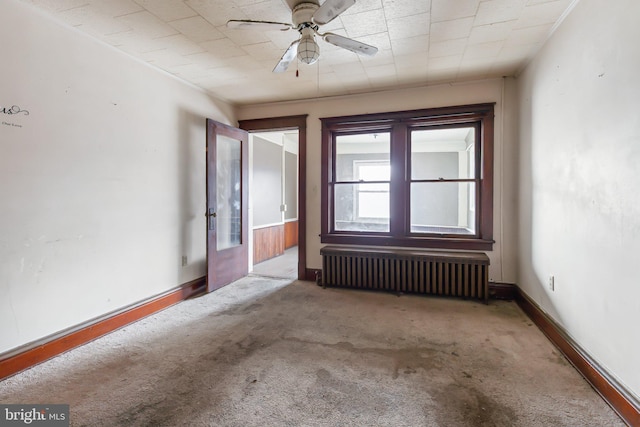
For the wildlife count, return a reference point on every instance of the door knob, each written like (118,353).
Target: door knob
(210,219)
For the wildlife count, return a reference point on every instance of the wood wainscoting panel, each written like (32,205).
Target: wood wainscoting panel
(268,242)
(290,234)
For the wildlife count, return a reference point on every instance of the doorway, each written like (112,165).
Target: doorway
(273,203)
(282,129)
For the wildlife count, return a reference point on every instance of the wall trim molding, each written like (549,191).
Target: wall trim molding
(503,291)
(312,274)
(42,350)
(615,394)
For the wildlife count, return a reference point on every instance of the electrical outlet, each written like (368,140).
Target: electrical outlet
(552,283)
(184,260)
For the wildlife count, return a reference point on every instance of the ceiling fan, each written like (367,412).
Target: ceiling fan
(306,18)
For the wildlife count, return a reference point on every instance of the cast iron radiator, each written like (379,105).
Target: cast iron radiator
(459,274)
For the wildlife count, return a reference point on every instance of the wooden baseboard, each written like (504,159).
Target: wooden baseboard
(503,291)
(627,407)
(53,346)
(312,274)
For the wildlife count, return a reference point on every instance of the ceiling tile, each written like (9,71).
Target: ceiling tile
(494,11)
(270,10)
(518,53)
(205,60)
(57,6)
(411,70)
(362,6)
(223,48)
(349,69)
(444,62)
(380,40)
(167,10)
(409,46)
(447,10)
(483,50)
(264,51)
(382,72)
(365,23)
(447,48)
(401,8)
(435,77)
(115,8)
(336,56)
(217,12)
(165,59)
(564,3)
(409,26)
(540,14)
(197,29)
(383,57)
(450,30)
(191,71)
(180,44)
(491,32)
(147,25)
(528,35)
(247,37)
(282,39)
(92,21)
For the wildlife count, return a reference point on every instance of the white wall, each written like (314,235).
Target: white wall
(102,185)
(502,257)
(580,185)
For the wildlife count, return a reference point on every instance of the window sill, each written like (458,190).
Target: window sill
(455,243)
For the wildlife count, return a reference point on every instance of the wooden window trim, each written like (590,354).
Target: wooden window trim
(400,124)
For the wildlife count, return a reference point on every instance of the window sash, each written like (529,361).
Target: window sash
(478,177)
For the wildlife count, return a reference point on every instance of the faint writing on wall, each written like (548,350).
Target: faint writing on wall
(14,110)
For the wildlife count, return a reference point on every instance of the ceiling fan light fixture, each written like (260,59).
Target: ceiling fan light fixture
(308,49)
(306,17)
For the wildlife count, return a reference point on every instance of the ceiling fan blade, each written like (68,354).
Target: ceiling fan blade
(286,59)
(258,25)
(330,9)
(350,44)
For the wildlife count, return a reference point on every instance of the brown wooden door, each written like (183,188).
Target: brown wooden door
(227,204)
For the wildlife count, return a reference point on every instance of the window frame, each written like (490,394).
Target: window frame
(400,124)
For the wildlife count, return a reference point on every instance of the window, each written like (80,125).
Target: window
(417,178)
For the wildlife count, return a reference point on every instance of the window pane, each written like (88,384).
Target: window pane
(361,207)
(443,207)
(354,150)
(373,205)
(228,194)
(443,153)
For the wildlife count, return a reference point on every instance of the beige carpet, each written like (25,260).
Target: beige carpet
(267,352)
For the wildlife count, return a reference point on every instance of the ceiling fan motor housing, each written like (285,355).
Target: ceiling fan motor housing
(302,15)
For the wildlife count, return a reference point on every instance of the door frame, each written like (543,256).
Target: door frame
(288,123)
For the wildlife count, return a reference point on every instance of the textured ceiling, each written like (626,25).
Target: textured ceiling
(420,42)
